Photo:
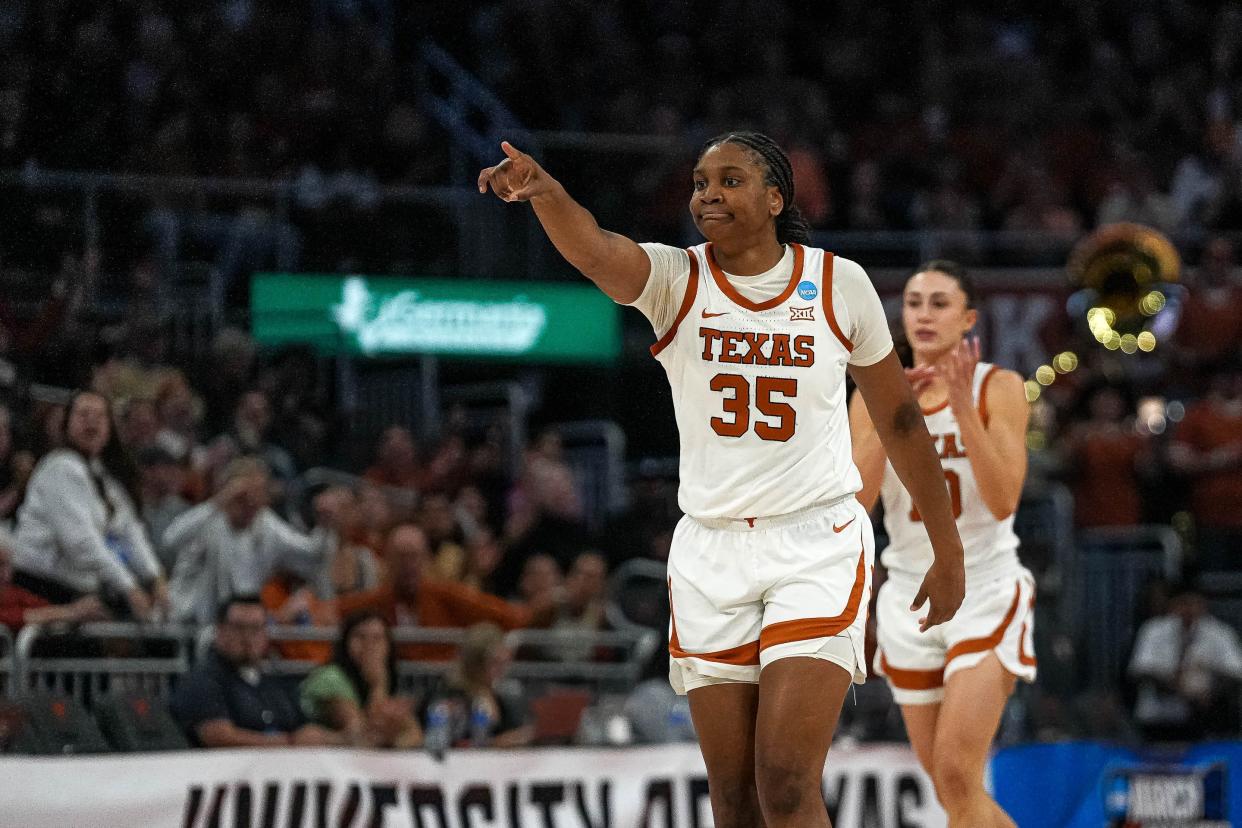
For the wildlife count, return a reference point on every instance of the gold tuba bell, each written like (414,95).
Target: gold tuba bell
(1125,275)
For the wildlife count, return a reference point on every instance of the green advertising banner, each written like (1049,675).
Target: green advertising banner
(392,316)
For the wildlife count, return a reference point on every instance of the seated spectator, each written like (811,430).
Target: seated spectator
(15,468)
(541,575)
(375,517)
(411,597)
(249,436)
(396,460)
(78,530)
(1207,449)
(139,424)
(19,607)
(226,701)
(1102,454)
(472,700)
(545,517)
(444,536)
(160,482)
(1210,328)
(355,695)
(1188,666)
(233,543)
(483,555)
(585,594)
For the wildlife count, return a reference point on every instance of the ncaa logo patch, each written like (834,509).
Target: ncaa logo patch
(807,290)
(806,314)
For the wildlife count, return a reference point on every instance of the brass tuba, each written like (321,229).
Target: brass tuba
(1125,275)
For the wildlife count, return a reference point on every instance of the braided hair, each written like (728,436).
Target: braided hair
(791,225)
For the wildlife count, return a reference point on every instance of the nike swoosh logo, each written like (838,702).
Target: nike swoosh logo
(843,527)
(707,315)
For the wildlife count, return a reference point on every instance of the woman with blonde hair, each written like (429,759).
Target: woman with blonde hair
(470,707)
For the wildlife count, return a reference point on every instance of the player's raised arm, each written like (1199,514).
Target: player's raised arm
(613,262)
(899,422)
(994,431)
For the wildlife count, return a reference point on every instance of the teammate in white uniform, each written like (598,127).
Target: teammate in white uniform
(769,572)
(952,682)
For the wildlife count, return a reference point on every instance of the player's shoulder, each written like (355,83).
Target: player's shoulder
(1001,386)
(847,272)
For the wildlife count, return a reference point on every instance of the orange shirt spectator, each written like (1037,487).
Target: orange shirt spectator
(1208,449)
(1102,453)
(411,599)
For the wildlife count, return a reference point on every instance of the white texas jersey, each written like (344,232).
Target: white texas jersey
(990,544)
(759,387)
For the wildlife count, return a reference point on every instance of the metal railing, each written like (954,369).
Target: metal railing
(88,661)
(1114,568)
(7,660)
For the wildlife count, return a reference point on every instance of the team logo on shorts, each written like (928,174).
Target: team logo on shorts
(802,314)
(807,290)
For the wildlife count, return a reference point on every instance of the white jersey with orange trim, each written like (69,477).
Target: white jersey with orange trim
(758,381)
(990,545)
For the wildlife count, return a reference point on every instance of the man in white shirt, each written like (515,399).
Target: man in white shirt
(233,543)
(1188,666)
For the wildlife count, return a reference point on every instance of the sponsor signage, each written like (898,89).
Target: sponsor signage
(376,316)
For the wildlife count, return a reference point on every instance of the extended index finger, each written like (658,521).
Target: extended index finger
(510,150)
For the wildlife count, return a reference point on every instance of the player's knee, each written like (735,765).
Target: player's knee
(955,779)
(736,806)
(785,787)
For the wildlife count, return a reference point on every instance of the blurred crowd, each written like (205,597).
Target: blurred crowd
(1029,117)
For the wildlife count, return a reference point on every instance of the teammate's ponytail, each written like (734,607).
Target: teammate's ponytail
(791,225)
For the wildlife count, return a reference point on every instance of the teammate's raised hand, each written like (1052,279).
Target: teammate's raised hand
(957,369)
(943,589)
(920,378)
(517,178)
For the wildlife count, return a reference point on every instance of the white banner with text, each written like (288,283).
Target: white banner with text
(641,787)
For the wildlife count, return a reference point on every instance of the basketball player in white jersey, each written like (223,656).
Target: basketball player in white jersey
(952,682)
(770,570)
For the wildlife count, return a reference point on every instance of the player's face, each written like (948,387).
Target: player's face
(730,199)
(934,312)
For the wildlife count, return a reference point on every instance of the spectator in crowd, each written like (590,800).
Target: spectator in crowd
(541,575)
(375,517)
(586,588)
(1188,666)
(545,517)
(439,523)
(79,532)
(233,543)
(1102,454)
(1210,328)
(483,555)
(19,607)
(356,694)
(161,479)
(139,424)
(473,702)
(16,466)
(396,460)
(227,702)
(248,436)
(179,412)
(1207,450)
(412,597)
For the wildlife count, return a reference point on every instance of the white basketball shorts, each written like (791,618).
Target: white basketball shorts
(998,617)
(744,593)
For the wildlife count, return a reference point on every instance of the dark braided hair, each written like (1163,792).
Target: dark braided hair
(791,225)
